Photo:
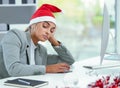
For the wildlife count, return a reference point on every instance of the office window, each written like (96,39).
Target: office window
(111,51)
(4,1)
(11,1)
(34,1)
(79,27)
(16,1)
(7,1)
(0,1)
(24,1)
(28,1)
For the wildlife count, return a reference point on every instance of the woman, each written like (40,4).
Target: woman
(20,53)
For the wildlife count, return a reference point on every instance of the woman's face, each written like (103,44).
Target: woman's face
(42,31)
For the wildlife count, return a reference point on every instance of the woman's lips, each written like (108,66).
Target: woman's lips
(45,37)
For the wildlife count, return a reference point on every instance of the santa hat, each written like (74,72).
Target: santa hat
(44,13)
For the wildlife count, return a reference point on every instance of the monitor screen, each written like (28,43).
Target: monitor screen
(105,33)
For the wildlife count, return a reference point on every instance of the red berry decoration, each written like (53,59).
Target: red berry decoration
(106,82)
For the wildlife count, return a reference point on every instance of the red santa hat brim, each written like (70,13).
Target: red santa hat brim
(41,19)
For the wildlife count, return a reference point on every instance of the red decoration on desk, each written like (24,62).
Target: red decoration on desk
(106,82)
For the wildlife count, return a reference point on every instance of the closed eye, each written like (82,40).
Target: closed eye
(46,25)
(52,30)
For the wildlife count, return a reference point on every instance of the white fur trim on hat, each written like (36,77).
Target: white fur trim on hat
(43,18)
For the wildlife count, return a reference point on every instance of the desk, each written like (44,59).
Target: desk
(57,80)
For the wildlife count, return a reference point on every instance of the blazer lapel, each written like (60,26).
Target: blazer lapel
(28,47)
(28,55)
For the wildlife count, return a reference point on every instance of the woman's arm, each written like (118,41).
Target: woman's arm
(63,53)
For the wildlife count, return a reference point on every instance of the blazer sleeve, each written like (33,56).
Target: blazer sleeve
(63,55)
(12,46)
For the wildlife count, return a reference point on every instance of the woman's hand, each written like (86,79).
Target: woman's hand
(56,68)
(53,41)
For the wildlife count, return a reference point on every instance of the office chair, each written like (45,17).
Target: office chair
(15,12)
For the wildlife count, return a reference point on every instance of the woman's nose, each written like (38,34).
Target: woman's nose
(48,31)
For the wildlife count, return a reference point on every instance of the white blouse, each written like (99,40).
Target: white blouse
(32,53)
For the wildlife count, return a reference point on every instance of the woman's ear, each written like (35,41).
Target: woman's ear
(33,27)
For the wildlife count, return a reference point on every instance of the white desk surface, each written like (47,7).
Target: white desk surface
(57,80)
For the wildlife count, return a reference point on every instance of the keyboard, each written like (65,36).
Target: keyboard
(101,66)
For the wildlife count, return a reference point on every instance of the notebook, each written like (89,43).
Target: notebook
(26,83)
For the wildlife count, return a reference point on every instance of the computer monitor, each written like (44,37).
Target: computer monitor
(104,44)
(104,33)
(105,38)
(16,14)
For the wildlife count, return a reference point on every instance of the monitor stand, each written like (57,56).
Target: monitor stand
(112,56)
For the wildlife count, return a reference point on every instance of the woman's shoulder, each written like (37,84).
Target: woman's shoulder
(17,32)
(14,35)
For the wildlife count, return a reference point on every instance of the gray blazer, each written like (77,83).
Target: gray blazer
(14,55)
